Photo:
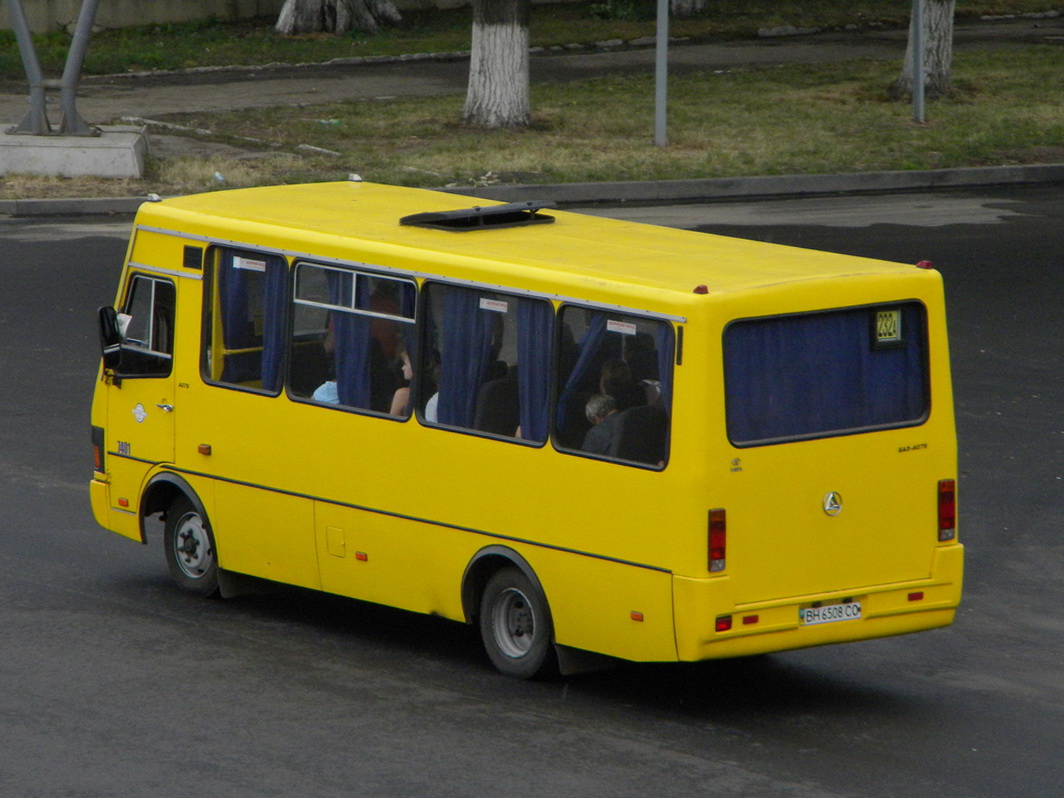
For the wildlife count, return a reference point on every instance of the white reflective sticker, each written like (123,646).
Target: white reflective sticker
(249,265)
(494,305)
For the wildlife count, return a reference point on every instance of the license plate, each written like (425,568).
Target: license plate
(831,613)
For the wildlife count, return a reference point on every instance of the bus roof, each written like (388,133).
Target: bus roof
(344,218)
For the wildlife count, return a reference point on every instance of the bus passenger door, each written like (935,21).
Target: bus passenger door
(140,407)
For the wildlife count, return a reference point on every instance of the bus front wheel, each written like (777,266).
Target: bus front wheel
(515,625)
(190,553)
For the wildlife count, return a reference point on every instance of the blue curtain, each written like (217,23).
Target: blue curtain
(663,339)
(351,334)
(238,324)
(534,335)
(233,298)
(814,374)
(275,301)
(586,367)
(467,338)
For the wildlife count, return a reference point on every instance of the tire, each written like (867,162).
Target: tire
(515,625)
(190,552)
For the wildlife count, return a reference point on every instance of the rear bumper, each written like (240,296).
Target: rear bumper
(123,522)
(774,625)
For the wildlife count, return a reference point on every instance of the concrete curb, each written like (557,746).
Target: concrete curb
(85,206)
(725,189)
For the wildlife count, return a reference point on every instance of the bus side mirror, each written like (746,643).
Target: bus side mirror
(110,337)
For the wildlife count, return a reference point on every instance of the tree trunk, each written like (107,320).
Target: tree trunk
(498,94)
(938,51)
(335,16)
(688,8)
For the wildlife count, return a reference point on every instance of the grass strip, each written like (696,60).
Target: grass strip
(804,119)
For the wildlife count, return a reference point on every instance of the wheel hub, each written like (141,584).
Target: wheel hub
(514,623)
(194,554)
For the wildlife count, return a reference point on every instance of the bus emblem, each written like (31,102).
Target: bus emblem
(833,504)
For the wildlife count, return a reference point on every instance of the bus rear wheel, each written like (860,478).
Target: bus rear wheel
(515,625)
(190,553)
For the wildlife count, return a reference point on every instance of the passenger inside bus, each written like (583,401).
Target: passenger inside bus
(432,388)
(601,412)
(327,391)
(401,397)
(383,372)
(626,359)
(617,381)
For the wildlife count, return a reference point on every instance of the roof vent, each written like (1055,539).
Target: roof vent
(512,214)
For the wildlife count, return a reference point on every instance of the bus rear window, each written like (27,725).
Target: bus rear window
(817,375)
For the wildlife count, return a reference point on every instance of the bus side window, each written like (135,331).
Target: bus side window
(244,327)
(350,333)
(494,362)
(615,386)
(148,345)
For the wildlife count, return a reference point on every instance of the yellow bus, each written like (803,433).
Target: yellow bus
(588,437)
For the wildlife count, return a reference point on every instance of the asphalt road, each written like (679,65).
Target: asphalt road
(115,684)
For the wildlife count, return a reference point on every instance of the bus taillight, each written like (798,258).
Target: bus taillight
(97,449)
(718,540)
(947,509)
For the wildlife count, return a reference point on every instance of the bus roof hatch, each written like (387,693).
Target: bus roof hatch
(512,214)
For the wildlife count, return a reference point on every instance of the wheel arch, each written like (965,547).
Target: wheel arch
(480,569)
(159,495)
(484,564)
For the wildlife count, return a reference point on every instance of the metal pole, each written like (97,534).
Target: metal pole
(661,68)
(918,61)
(36,121)
(71,124)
